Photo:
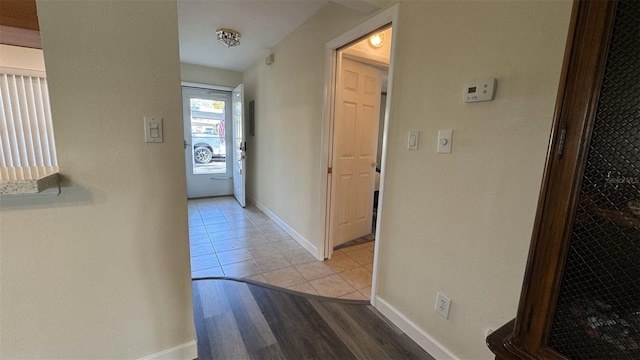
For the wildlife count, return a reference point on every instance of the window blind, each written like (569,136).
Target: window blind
(26,131)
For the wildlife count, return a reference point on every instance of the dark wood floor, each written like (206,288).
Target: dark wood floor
(237,320)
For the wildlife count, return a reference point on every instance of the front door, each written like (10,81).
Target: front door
(355,138)
(239,145)
(206,142)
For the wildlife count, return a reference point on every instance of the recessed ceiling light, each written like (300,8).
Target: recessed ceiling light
(377,40)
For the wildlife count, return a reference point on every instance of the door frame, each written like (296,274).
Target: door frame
(388,16)
(205,86)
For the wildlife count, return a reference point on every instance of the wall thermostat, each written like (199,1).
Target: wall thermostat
(481,90)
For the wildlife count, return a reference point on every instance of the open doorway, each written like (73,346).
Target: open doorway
(214,142)
(355,131)
(358,128)
(207,141)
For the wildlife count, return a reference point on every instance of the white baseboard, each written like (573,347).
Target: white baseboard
(187,351)
(426,341)
(294,234)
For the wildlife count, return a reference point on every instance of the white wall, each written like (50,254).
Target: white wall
(459,223)
(284,156)
(102,271)
(210,76)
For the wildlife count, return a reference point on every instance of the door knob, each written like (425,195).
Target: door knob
(373,164)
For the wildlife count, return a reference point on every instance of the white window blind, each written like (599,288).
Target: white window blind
(26,131)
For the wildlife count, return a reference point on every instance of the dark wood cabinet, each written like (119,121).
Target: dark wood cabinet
(581,292)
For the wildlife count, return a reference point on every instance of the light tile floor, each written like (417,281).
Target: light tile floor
(227,240)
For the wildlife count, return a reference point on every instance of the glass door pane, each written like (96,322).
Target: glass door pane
(208,136)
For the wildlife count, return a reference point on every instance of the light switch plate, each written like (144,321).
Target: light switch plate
(444,141)
(413,139)
(153,130)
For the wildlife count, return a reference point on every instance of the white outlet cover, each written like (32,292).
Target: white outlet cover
(443,304)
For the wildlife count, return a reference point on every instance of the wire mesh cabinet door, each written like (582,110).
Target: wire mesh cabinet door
(581,294)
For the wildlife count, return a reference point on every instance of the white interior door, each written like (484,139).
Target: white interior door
(239,145)
(355,137)
(208,169)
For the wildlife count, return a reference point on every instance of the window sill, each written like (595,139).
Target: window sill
(48,184)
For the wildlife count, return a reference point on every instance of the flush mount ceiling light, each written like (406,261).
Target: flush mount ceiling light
(376,40)
(228,37)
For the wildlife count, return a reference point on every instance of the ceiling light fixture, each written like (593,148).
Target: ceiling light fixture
(228,37)
(377,40)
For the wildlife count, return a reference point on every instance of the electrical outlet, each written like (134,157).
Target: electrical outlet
(443,304)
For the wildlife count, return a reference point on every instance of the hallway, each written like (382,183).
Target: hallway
(227,240)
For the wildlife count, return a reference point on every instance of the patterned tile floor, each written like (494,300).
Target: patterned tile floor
(227,240)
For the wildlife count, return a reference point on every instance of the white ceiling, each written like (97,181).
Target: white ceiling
(261,23)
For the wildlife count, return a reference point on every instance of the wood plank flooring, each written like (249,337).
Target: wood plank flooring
(238,320)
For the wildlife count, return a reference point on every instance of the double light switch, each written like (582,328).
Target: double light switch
(153,130)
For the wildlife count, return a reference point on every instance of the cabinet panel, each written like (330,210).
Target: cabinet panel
(598,311)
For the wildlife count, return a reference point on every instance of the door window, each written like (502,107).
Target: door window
(208,136)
